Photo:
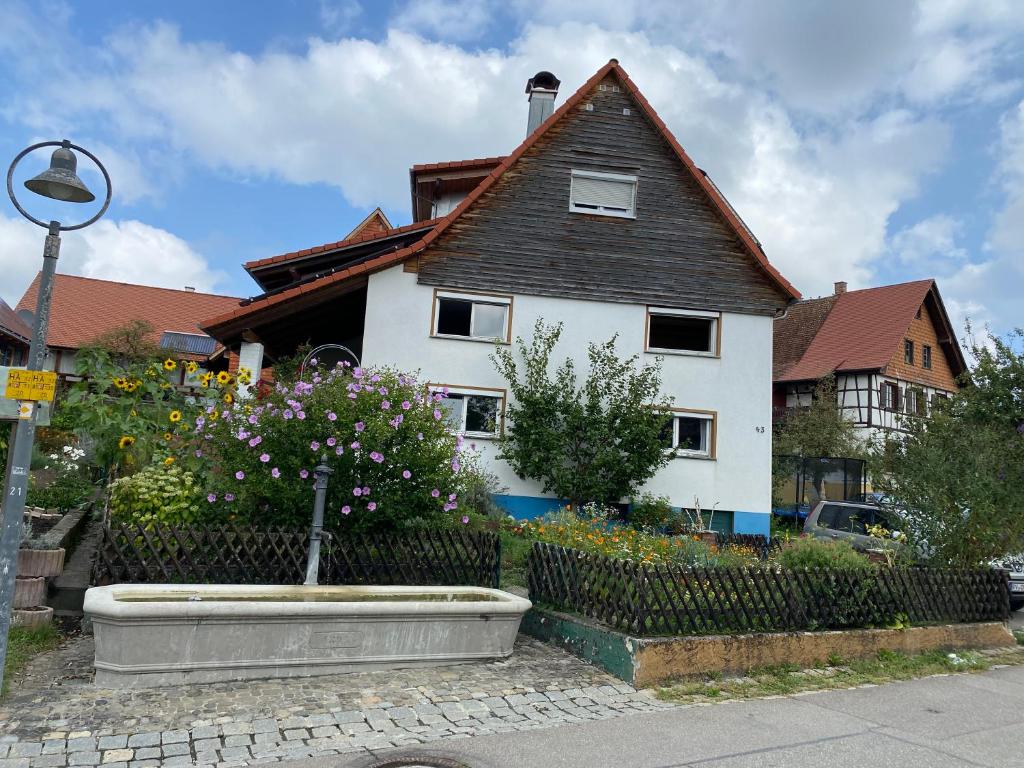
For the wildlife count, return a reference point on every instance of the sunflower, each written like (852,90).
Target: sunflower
(229,398)
(167,435)
(205,379)
(169,365)
(125,441)
(120,382)
(191,366)
(175,416)
(169,460)
(212,415)
(223,377)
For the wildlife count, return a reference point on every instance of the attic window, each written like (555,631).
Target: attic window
(604,194)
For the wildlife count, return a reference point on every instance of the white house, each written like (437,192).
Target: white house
(598,220)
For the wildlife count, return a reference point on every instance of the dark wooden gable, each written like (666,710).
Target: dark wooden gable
(520,236)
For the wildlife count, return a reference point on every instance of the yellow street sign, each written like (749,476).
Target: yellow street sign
(30,385)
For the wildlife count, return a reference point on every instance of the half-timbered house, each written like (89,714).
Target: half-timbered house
(892,351)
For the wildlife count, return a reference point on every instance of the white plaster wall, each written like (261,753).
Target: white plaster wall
(737,386)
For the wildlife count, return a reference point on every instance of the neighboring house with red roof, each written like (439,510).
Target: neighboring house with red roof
(15,336)
(891,349)
(83,308)
(598,220)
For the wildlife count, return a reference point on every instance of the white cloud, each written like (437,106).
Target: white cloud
(930,246)
(127,251)
(459,20)
(338,16)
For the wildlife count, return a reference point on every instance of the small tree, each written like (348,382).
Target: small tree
(958,476)
(599,441)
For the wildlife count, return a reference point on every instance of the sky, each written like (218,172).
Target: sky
(872,142)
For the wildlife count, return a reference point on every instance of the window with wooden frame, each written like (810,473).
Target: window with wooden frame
(926,357)
(472,411)
(691,434)
(908,352)
(603,194)
(888,396)
(683,332)
(915,402)
(478,317)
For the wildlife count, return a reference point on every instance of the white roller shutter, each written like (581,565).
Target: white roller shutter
(608,194)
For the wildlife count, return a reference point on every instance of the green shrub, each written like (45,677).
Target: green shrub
(649,512)
(64,493)
(814,553)
(157,495)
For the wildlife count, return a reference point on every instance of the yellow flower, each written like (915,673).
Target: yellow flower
(228,398)
(125,441)
(175,416)
(191,366)
(205,379)
(213,415)
(244,377)
(167,435)
(169,460)
(223,377)
(169,365)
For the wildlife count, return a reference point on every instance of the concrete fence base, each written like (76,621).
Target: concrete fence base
(654,660)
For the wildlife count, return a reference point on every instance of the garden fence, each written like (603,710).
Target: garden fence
(659,599)
(240,555)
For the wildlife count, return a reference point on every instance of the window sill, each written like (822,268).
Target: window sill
(603,214)
(480,435)
(673,454)
(682,353)
(478,339)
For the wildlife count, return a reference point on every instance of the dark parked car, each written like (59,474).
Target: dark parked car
(848,521)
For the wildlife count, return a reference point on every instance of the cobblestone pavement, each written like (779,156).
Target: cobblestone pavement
(54,717)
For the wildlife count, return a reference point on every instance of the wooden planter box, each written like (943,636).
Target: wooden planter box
(30,618)
(40,562)
(29,591)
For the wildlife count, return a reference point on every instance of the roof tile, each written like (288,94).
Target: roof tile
(83,308)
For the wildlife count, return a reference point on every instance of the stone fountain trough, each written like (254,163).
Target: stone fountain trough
(168,634)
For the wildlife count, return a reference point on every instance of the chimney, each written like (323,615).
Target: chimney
(840,287)
(542,88)
(190,289)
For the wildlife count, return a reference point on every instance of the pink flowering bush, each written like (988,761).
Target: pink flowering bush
(395,460)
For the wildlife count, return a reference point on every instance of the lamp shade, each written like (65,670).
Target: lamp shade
(60,181)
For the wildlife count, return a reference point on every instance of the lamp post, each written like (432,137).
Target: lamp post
(59,182)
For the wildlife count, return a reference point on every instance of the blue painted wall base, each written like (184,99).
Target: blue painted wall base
(752,522)
(530,507)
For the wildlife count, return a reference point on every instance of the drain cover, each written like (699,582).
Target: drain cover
(419,761)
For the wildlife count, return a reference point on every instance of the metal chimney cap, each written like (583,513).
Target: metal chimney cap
(543,80)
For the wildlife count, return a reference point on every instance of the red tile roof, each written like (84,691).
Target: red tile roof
(12,325)
(387,260)
(82,308)
(478,163)
(795,332)
(862,332)
(358,239)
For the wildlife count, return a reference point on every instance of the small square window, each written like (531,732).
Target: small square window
(926,356)
(484,318)
(603,194)
(908,351)
(689,434)
(684,333)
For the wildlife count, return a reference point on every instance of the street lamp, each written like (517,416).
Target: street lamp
(59,182)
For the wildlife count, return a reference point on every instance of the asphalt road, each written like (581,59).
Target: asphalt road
(957,720)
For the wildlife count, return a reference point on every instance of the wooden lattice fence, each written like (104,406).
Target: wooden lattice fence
(239,555)
(650,599)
